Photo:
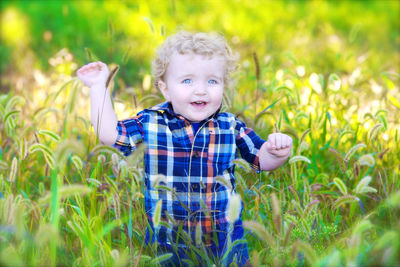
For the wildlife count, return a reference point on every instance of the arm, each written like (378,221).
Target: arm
(104,120)
(275,151)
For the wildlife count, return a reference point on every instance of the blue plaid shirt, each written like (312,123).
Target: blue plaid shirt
(181,169)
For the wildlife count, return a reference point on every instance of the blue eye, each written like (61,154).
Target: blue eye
(187,81)
(212,82)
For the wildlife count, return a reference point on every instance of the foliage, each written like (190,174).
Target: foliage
(324,72)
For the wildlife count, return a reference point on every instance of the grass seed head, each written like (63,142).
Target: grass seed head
(101,158)
(157,214)
(299,158)
(158,179)
(115,254)
(13,170)
(198,235)
(67,191)
(277,212)
(114,159)
(76,160)
(123,167)
(224,181)
(343,200)
(260,231)
(362,187)
(234,207)
(366,160)
(374,130)
(353,150)
(340,185)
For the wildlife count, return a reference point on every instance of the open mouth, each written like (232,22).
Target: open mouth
(199,103)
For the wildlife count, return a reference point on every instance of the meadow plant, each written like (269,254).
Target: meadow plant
(66,199)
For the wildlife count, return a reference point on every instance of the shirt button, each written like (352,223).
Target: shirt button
(194,187)
(196,154)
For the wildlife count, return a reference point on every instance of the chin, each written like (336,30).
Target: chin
(197,118)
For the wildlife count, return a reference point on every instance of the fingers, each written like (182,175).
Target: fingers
(284,152)
(91,67)
(279,141)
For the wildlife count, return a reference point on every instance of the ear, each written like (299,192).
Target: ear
(163,88)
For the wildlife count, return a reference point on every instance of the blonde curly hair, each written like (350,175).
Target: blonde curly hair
(207,44)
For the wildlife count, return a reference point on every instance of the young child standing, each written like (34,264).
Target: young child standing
(189,141)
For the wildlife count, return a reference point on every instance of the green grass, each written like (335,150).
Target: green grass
(67,200)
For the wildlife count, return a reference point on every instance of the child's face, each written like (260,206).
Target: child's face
(194,84)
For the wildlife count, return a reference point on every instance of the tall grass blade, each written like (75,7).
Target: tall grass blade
(150,23)
(13,101)
(51,134)
(55,211)
(90,55)
(111,76)
(8,116)
(265,109)
(126,55)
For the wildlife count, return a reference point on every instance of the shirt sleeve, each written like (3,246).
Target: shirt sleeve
(130,134)
(249,144)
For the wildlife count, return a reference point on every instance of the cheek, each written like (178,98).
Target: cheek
(217,95)
(180,95)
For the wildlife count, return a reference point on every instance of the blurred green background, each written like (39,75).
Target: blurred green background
(323,36)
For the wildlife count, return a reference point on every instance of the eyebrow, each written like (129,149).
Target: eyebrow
(185,76)
(217,77)
(191,75)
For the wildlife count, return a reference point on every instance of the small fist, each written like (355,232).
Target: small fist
(279,145)
(93,73)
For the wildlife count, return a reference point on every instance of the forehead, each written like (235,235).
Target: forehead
(191,62)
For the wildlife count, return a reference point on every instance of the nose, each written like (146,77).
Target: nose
(200,89)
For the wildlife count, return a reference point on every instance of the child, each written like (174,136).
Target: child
(189,141)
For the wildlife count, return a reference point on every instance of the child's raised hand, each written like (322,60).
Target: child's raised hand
(279,145)
(93,73)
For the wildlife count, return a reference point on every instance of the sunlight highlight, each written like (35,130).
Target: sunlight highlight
(14,29)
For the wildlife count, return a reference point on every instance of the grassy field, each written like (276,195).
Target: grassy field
(326,73)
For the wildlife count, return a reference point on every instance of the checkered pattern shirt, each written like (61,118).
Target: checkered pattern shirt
(189,172)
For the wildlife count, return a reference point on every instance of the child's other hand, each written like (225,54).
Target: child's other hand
(93,73)
(279,145)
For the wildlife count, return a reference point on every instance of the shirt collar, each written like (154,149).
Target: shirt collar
(167,107)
